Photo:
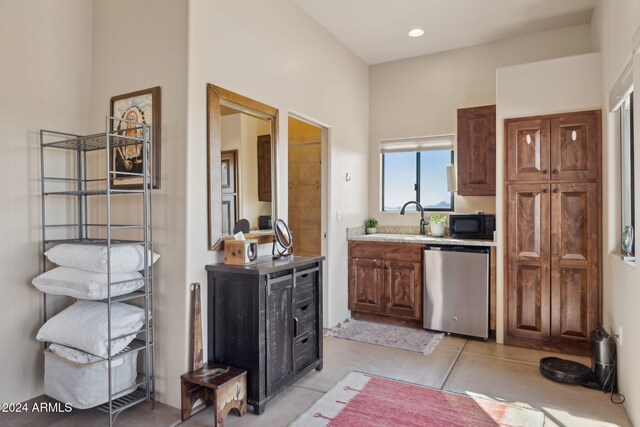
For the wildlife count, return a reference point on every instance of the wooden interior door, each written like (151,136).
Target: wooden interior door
(528,149)
(574,261)
(366,285)
(477,151)
(528,257)
(264,168)
(574,146)
(403,288)
(230,191)
(305,192)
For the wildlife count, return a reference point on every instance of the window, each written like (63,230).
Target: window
(416,169)
(626,169)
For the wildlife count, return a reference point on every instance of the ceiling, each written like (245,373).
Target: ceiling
(376,30)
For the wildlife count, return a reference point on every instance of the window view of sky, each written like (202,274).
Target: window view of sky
(400,178)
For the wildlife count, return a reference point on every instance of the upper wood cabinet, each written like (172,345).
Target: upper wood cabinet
(574,146)
(527,149)
(477,151)
(559,148)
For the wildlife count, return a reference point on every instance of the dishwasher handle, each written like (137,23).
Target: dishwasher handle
(457,248)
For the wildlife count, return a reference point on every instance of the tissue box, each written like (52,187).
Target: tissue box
(240,252)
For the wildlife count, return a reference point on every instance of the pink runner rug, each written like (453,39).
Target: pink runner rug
(366,400)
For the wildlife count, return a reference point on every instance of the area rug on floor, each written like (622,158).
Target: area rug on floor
(367,400)
(411,339)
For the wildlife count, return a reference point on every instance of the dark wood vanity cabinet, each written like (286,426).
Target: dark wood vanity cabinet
(476,149)
(553,278)
(385,280)
(266,318)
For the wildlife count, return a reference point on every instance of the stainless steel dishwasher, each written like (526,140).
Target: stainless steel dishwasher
(456,289)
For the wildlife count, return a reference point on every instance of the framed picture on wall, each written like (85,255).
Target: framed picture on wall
(142,106)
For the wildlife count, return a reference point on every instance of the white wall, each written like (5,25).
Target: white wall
(419,96)
(546,87)
(138,45)
(614,25)
(275,53)
(44,84)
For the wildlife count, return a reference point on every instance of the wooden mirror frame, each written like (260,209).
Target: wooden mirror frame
(215,95)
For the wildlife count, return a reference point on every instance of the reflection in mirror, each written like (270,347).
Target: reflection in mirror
(245,168)
(241,143)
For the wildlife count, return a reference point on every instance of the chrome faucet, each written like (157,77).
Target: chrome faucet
(423,223)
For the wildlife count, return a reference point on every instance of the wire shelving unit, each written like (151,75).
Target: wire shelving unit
(83,181)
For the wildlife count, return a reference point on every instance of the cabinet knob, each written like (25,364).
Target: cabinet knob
(546,171)
(556,190)
(556,171)
(546,190)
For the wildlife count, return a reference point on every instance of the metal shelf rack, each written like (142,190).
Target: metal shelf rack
(79,187)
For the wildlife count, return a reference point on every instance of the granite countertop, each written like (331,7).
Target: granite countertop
(417,239)
(402,234)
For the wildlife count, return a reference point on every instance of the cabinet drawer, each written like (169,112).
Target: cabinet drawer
(306,295)
(306,286)
(306,351)
(386,251)
(306,316)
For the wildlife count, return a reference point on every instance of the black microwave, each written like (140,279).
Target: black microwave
(479,226)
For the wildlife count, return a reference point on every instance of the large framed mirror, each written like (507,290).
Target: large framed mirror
(241,146)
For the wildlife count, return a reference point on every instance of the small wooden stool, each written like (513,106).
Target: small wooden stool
(224,387)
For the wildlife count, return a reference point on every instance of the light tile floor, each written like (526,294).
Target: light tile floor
(468,366)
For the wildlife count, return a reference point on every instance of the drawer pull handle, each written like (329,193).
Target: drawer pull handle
(305,307)
(305,275)
(304,341)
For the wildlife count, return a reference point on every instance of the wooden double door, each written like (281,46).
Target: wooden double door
(553,232)
(556,148)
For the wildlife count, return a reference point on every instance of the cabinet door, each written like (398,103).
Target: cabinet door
(366,288)
(574,146)
(229,184)
(279,332)
(527,150)
(403,289)
(477,151)
(574,265)
(528,275)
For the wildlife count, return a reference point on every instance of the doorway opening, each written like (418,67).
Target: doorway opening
(306,186)
(308,183)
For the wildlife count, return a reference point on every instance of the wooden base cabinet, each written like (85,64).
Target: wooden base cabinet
(266,318)
(385,280)
(553,232)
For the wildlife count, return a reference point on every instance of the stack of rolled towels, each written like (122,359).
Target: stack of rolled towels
(76,369)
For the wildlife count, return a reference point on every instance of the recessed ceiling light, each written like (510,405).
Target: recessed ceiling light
(416,32)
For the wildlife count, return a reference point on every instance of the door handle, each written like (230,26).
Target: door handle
(295,326)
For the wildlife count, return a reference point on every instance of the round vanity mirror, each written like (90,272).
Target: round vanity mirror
(282,240)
